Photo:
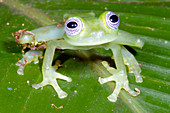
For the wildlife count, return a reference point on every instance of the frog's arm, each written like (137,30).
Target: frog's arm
(49,73)
(125,38)
(46,33)
(119,74)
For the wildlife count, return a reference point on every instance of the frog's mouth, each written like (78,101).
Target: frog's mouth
(91,39)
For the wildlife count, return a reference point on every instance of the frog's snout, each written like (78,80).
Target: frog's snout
(97,34)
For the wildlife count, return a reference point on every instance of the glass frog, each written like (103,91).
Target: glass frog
(82,32)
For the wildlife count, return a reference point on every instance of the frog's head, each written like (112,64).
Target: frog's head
(92,31)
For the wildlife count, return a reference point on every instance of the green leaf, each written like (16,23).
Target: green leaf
(148,18)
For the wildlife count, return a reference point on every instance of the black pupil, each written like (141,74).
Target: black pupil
(72,25)
(113,18)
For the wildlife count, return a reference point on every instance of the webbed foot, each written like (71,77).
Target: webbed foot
(49,78)
(29,56)
(120,77)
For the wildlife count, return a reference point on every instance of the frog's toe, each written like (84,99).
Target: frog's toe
(130,91)
(20,70)
(114,95)
(40,85)
(105,80)
(112,98)
(139,78)
(110,69)
(60,92)
(136,70)
(63,77)
(100,80)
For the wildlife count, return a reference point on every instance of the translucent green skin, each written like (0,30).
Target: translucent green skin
(95,34)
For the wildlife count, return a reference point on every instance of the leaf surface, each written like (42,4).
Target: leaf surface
(148,18)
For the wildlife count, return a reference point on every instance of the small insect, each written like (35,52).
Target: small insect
(82,32)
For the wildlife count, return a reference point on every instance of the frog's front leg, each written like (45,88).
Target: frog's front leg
(119,75)
(49,74)
(31,55)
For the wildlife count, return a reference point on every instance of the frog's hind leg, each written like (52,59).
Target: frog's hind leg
(49,73)
(132,64)
(30,56)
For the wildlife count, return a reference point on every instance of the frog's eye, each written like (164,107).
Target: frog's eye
(112,20)
(73,26)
